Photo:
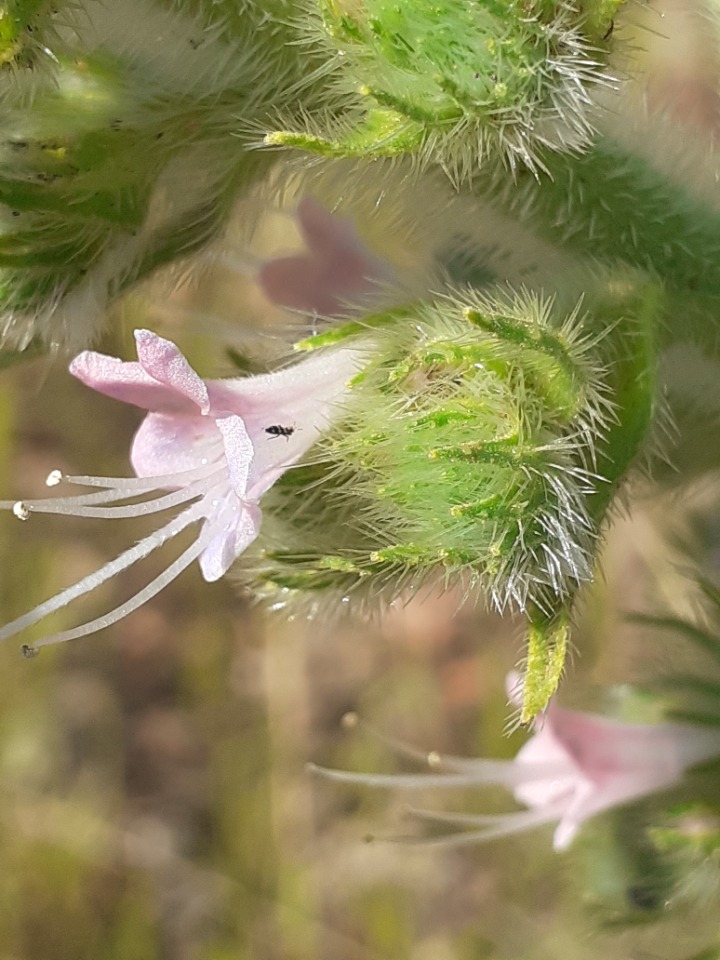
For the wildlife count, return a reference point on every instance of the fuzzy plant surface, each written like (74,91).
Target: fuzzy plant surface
(507,399)
(481,447)
(124,144)
(460,82)
(490,324)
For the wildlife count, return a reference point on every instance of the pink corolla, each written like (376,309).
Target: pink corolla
(336,270)
(212,447)
(574,766)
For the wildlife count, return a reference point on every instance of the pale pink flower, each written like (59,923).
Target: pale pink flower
(336,271)
(574,766)
(212,446)
(578,764)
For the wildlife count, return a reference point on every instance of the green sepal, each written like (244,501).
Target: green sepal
(354,328)
(381,133)
(547,645)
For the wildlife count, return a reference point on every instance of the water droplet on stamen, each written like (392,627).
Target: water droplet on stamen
(350,721)
(54,478)
(21,510)
(28,652)
(434,760)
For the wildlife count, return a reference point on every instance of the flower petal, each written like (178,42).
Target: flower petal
(325,232)
(543,752)
(239,453)
(303,397)
(127,382)
(230,542)
(337,269)
(582,807)
(168,445)
(162,360)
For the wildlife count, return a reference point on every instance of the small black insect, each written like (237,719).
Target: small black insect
(278,431)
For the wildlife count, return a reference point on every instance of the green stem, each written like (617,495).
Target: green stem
(633,389)
(611,204)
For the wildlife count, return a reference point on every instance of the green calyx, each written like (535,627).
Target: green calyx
(456,80)
(121,153)
(480,446)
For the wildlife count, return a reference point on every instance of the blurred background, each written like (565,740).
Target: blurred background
(154,798)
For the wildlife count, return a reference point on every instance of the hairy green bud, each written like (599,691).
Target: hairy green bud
(454,81)
(126,129)
(464,451)
(480,447)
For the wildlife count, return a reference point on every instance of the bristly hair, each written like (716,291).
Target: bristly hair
(478,86)
(465,457)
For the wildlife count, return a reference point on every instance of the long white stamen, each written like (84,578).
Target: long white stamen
(522,817)
(189,484)
(412,781)
(82,506)
(505,826)
(479,771)
(433,759)
(147,593)
(482,772)
(140,484)
(128,558)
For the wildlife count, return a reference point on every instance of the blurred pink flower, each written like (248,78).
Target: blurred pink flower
(578,764)
(574,766)
(336,271)
(216,445)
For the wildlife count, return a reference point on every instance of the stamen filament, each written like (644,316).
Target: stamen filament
(437,761)
(81,506)
(509,773)
(522,817)
(511,823)
(143,484)
(147,593)
(410,781)
(138,552)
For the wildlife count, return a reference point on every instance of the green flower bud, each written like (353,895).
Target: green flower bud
(453,81)
(465,450)
(126,128)
(480,448)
